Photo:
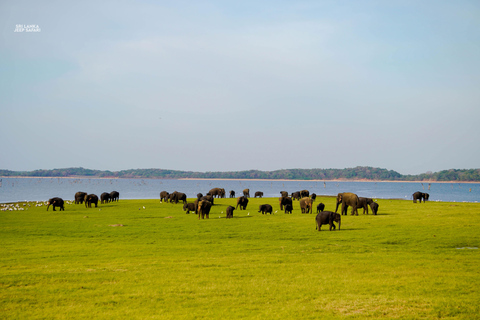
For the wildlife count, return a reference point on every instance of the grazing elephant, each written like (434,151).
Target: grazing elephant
(419,196)
(178,196)
(265,208)
(374,207)
(189,207)
(347,199)
(364,203)
(284,194)
(104,197)
(328,217)
(242,202)
(306,205)
(230,212)
(313,196)
(56,202)
(259,194)
(296,195)
(283,201)
(164,195)
(80,197)
(304,193)
(288,208)
(203,209)
(246,193)
(320,207)
(217,192)
(114,196)
(232,194)
(89,199)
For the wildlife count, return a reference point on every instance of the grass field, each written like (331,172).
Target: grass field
(121,261)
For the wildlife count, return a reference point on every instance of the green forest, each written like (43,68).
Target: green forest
(357,173)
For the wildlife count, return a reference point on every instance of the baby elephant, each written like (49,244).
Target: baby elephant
(230,212)
(320,207)
(56,202)
(188,207)
(374,207)
(265,208)
(288,208)
(328,217)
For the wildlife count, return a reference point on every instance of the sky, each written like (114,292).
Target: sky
(240,85)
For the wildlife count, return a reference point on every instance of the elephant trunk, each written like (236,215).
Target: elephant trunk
(336,209)
(48,206)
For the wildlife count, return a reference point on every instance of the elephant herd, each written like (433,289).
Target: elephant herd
(203,204)
(83,197)
(89,199)
(348,199)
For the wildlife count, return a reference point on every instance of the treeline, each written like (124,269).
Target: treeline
(357,173)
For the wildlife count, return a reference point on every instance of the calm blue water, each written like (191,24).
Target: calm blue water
(33,189)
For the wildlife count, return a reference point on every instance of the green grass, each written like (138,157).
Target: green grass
(404,263)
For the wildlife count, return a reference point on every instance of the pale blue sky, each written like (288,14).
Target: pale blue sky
(229,85)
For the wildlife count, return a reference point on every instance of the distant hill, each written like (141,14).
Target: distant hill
(357,173)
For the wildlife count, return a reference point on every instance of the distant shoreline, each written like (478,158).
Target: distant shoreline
(228,179)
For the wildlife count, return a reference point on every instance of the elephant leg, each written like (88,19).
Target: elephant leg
(354,210)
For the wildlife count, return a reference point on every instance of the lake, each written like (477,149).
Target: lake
(41,189)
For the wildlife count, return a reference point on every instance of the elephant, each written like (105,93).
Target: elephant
(232,194)
(104,197)
(347,199)
(320,207)
(284,193)
(80,197)
(189,207)
(288,208)
(56,202)
(164,195)
(304,193)
(217,192)
(89,199)
(265,208)
(374,207)
(242,202)
(246,193)
(114,196)
(283,201)
(313,196)
(209,198)
(259,194)
(178,196)
(328,217)
(203,209)
(306,205)
(230,212)
(419,196)
(364,203)
(296,195)
(199,195)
